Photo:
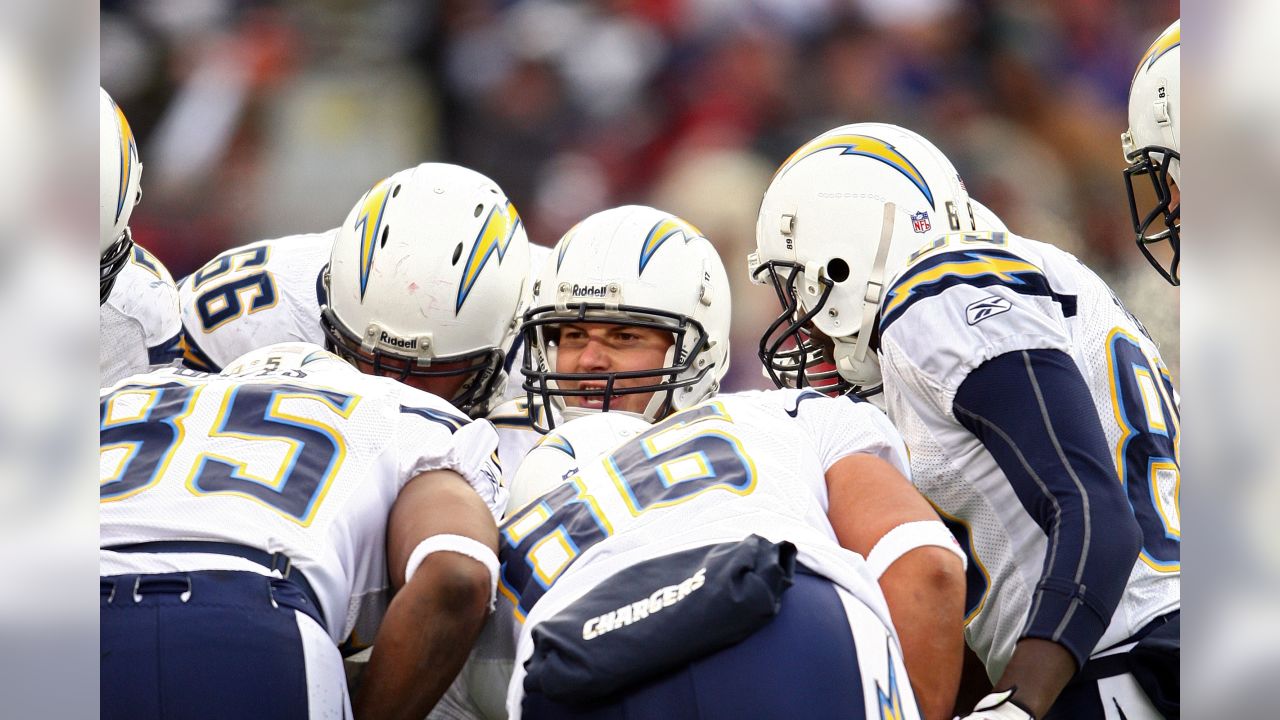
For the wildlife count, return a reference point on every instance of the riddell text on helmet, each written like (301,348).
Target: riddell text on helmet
(403,343)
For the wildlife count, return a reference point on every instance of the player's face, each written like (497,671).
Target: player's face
(446,386)
(606,348)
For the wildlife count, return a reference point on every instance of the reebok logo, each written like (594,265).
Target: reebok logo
(985,308)
(596,291)
(393,341)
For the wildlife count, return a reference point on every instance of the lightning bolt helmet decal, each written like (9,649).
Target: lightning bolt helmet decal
(494,237)
(862,146)
(367,226)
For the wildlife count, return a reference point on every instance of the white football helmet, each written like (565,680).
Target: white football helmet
(560,453)
(840,219)
(1151,146)
(641,267)
(282,357)
(120,173)
(429,270)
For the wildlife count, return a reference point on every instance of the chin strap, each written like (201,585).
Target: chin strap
(875,285)
(662,400)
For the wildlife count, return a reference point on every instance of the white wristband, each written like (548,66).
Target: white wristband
(907,537)
(462,545)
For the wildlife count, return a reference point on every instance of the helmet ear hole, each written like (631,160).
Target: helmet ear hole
(838,269)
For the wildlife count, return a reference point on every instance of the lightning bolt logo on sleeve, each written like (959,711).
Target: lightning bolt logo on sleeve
(664,229)
(128,156)
(367,224)
(862,146)
(495,236)
(977,268)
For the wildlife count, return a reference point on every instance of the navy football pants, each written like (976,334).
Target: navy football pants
(208,644)
(801,664)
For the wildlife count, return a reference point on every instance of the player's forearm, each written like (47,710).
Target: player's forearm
(425,638)
(925,592)
(974,683)
(1039,670)
(1033,412)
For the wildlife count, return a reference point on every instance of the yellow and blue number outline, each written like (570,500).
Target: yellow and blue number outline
(232,261)
(1129,431)
(516,529)
(276,416)
(513,537)
(262,281)
(145,260)
(177,423)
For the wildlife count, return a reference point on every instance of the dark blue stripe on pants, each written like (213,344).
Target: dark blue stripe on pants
(801,664)
(221,651)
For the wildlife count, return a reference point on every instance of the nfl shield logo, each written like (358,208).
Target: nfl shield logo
(920,221)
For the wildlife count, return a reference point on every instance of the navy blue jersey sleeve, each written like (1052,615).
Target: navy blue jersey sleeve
(1033,412)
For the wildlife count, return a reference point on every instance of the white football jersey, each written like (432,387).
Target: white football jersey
(138,324)
(306,461)
(972,298)
(742,464)
(252,296)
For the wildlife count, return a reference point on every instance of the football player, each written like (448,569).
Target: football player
(628,611)
(422,282)
(138,319)
(253,520)
(630,313)
(1151,148)
(1041,421)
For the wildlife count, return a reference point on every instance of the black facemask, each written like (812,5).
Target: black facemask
(1156,170)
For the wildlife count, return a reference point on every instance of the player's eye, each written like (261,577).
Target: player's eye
(572,337)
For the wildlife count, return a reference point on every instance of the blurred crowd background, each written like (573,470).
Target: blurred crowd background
(263,118)
(259,119)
